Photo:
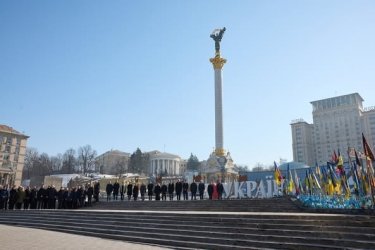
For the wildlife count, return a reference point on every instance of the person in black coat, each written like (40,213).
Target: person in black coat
(51,197)
(143,191)
(170,190)
(26,201)
(96,191)
(157,192)
(193,190)
(66,201)
(220,190)
(135,192)
(201,188)
(109,189)
(74,198)
(185,188)
(129,191)
(4,196)
(150,191)
(210,190)
(80,194)
(164,190)
(12,197)
(178,189)
(89,192)
(40,197)
(116,188)
(33,198)
(60,198)
(122,191)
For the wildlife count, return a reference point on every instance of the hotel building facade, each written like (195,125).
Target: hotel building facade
(338,124)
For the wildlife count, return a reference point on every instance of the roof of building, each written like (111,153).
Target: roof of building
(114,152)
(159,154)
(335,97)
(7,129)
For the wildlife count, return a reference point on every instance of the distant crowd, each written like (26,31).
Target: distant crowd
(164,190)
(80,196)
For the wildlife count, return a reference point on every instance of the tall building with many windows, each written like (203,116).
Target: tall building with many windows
(338,124)
(12,155)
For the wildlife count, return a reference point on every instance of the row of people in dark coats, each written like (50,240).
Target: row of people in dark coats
(161,191)
(47,197)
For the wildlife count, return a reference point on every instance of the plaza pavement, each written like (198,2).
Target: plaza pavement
(16,238)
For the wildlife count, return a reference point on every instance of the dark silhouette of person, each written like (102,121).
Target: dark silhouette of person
(116,188)
(170,190)
(109,189)
(157,191)
(96,191)
(135,192)
(89,192)
(193,190)
(185,188)
(164,190)
(210,190)
(178,189)
(150,191)
(129,190)
(142,191)
(220,190)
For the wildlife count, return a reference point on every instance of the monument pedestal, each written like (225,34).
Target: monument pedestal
(219,168)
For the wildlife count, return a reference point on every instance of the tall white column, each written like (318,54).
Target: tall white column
(219,143)
(218,64)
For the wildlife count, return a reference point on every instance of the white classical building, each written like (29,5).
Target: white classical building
(164,163)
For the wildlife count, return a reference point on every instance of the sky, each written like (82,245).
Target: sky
(128,74)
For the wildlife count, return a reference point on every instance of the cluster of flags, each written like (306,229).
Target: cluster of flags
(332,179)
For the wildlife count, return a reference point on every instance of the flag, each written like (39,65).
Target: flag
(297,183)
(277,174)
(334,157)
(318,171)
(316,181)
(367,150)
(357,160)
(308,183)
(291,185)
(340,163)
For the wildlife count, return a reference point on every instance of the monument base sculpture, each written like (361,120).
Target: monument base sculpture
(219,168)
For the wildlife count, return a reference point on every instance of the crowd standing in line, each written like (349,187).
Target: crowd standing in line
(47,197)
(167,190)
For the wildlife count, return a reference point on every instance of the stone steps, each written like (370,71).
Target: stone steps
(210,236)
(245,205)
(224,224)
(205,230)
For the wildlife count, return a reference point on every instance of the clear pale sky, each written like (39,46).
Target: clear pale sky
(128,74)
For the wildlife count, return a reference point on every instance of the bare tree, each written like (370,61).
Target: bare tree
(86,156)
(69,161)
(121,166)
(259,167)
(31,157)
(43,166)
(242,168)
(57,162)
